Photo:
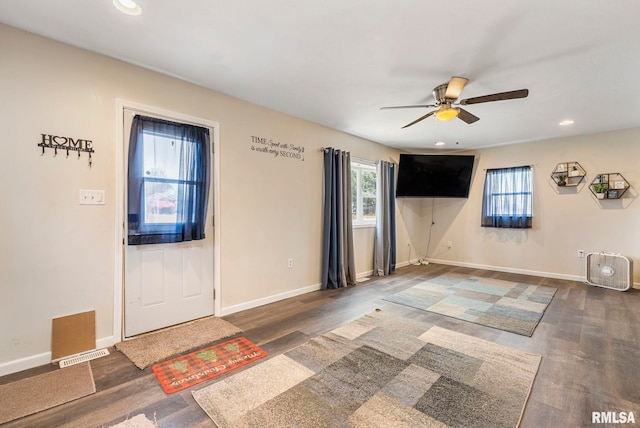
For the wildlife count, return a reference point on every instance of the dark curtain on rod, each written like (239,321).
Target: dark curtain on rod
(385,239)
(171,161)
(338,263)
(507,200)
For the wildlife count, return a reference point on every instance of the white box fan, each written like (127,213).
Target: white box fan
(609,270)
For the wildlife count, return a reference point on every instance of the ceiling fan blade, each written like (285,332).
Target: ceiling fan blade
(521,93)
(466,116)
(455,87)
(419,119)
(415,106)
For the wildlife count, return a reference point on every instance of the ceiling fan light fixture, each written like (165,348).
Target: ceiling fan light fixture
(129,7)
(447,113)
(446,96)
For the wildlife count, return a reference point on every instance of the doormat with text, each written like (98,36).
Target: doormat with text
(191,369)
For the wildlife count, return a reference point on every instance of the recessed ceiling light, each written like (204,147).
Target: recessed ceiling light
(566,122)
(129,7)
(440,143)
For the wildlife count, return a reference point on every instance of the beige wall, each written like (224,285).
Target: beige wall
(565,220)
(57,257)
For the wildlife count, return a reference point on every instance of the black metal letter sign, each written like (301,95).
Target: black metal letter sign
(57,142)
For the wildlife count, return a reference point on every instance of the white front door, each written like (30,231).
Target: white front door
(166,284)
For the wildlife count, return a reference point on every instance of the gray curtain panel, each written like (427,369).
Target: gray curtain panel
(338,263)
(384,261)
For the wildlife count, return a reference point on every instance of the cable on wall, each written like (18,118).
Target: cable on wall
(426,254)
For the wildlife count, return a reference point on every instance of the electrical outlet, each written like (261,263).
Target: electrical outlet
(91,197)
(449,244)
(290,263)
(580,253)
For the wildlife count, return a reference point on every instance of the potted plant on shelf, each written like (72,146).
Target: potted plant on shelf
(562,180)
(600,190)
(574,171)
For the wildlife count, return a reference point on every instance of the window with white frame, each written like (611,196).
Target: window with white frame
(363,194)
(507,200)
(168,183)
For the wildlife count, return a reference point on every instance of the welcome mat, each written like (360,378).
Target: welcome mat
(380,370)
(505,305)
(150,348)
(191,369)
(35,394)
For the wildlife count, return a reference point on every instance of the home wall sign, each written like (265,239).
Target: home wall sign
(57,142)
(277,148)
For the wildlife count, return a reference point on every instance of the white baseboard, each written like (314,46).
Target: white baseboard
(269,299)
(520,271)
(509,270)
(105,342)
(277,297)
(32,361)
(398,265)
(25,363)
(410,262)
(366,274)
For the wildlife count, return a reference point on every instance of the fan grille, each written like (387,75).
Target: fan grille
(609,270)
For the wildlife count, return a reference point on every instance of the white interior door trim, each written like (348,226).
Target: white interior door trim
(118,203)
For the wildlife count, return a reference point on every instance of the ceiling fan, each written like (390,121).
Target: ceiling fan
(446,106)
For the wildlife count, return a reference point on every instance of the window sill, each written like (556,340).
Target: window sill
(364,225)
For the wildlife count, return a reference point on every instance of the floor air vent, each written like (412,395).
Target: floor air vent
(83,357)
(609,270)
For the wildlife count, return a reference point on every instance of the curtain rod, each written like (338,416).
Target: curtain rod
(505,167)
(354,158)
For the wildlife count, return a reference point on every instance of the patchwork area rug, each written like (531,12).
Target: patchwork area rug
(35,394)
(505,305)
(188,370)
(380,370)
(150,348)
(138,421)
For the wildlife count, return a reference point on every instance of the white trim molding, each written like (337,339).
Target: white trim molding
(38,360)
(507,269)
(269,299)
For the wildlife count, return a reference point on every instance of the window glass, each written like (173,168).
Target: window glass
(161,157)
(368,195)
(363,194)
(507,199)
(168,181)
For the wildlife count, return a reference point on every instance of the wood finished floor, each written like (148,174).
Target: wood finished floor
(589,338)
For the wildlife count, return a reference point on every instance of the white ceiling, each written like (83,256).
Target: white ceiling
(336,62)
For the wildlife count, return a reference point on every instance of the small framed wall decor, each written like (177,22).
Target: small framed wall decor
(619,184)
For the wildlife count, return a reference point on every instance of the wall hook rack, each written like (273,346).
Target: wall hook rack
(56,142)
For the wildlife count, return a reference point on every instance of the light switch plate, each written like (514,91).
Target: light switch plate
(91,197)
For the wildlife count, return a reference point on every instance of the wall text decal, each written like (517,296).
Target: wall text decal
(57,142)
(276,148)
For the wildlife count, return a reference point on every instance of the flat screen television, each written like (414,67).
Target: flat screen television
(434,176)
